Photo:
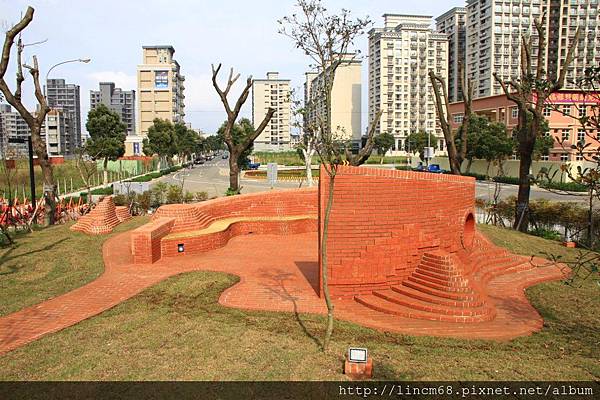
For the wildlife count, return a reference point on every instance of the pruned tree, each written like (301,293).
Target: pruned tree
(530,92)
(161,141)
(236,149)
(326,39)
(34,120)
(456,153)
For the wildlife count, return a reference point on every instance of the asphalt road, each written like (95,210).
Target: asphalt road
(213,178)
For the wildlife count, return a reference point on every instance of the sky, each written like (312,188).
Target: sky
(239,34)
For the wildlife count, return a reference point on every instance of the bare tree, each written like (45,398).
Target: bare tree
(326,39)
(530,93)
(34,120)
(456,155)
(236,146)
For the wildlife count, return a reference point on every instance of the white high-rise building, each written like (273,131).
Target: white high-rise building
(272,93)
(452,23)
(401,54)
(494,32)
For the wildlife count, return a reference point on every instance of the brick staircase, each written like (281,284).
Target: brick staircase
(187,217)
(122,213)
(437,290)
(102,219)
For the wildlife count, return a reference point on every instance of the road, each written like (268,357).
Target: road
(213,178)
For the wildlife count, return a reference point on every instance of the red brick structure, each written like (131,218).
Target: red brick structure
(183,229)
(122,213)
(405,243)
(102,219)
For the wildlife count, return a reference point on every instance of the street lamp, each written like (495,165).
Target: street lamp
(81,60)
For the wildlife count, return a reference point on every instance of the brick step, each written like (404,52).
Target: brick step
(429,298)
(445,277)
(493,268)
(438,266)
(378,304)
(458,281)
(455,275)
(457,296)
(516,266)
(410,302)
(441,287)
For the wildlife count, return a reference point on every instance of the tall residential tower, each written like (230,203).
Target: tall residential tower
(120,101)
(272,92)
(65,98)
(452,23)
(160,93)
(401,54)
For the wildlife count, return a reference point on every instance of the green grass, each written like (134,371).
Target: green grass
(293,159)
(50,262)
(295,173)
(376,159)
(177,330)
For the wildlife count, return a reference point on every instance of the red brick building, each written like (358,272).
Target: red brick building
(562,112)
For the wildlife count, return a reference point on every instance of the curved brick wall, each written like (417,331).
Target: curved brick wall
(275,203)
(176,224)
(384,220)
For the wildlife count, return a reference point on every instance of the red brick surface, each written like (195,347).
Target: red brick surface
(102,219)
(194,217)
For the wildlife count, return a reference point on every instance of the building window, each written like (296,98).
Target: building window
(547,111)
(544,158)
(514,112)
(564,157)
(458,118)
(566,133)
(566,109)
(582,110)
(581,135)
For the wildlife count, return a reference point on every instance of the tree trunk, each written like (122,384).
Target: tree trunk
(234,173)
(49,186)
(469,164)
(324,268)
(522,206)
(487,170)
(308,166)
(105,172)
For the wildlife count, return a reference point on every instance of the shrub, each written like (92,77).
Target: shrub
(231,192)
(158,194)
(567,186)
(404,167)
(144,200)
(201,196)
(546,234)
(511,180)
(120,200)
(478,177)
(188,197)
(174,194)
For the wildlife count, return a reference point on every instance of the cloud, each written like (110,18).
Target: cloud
(121,79)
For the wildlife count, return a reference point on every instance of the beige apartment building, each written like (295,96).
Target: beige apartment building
(160,93)
(346,108)
(272,92)
(401,54)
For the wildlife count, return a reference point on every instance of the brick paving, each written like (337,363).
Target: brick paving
(277,273)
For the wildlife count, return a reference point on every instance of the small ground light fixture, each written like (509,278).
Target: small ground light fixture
(357,355)
(180,248)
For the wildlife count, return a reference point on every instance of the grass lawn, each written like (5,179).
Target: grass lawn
(177,330)
(49,262)
(292,158)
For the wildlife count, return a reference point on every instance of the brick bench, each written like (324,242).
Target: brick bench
(219,232)
(145,240)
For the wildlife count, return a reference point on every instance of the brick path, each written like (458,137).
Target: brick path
(278,273)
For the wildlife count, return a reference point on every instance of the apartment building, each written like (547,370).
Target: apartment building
(118,100)
(562,112)
(12,125)
(65,97)
(55,132)
(160,93)
(401,54)
(563,19)
(272,92)
(345,99)
(453,24)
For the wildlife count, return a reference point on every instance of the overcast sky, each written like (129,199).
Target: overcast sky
(237,33)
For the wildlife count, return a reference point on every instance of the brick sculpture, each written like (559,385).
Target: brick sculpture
(102,219)
(404,243)
(184,229)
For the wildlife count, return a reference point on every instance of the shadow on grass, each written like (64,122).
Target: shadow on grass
(6,255)
(279,278)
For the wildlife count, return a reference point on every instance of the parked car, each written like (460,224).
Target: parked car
(435,169)
(199,160)
(225,156)
(253,165)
